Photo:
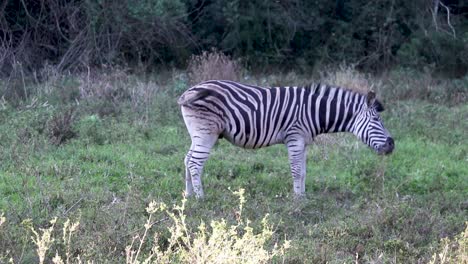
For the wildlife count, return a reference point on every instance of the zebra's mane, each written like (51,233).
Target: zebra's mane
(317,87)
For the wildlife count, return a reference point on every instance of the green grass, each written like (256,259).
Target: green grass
(392,209)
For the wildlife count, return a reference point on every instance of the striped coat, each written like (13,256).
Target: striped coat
(253,117)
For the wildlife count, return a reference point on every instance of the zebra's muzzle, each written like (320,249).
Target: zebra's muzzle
(387,147)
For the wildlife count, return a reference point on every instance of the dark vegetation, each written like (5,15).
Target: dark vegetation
(73,35)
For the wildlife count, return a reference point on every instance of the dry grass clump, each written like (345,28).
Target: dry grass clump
(15,88)
(453,251)
(45,238)
(213,65)
(406,84)
(347,76)
(3,255)
(113,87)
(60,127)
(2,219)
(105,85)
(50,78)
(221,243)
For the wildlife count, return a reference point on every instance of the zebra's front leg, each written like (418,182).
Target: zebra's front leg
(304,170)
(297,161)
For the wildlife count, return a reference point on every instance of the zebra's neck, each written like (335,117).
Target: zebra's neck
(337,108)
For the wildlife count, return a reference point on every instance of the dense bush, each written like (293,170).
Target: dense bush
(76,34)
(437,50)
(81,33)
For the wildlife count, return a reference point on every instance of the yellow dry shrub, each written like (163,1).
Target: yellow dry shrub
(222,243)
(44,239)
(453,251)
(2,219)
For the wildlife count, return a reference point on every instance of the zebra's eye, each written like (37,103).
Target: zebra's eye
(375,119)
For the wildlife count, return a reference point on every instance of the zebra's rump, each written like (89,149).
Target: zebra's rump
(250,116)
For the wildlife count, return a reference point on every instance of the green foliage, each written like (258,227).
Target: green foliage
(436,49)
(373,35)
(180,84)
(259,29)
(91,130)
(162,9)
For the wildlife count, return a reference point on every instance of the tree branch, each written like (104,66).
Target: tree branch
(448,19)
(435,11)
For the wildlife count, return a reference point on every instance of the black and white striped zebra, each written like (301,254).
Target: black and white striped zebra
(254,117)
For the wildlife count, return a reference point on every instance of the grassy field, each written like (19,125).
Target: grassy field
(105,160)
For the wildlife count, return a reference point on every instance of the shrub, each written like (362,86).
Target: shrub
(348,77)
(406,83)
(179,84)
(56,86)
(436,49)
(219,243)
(91,130)
(222,243)
(213,65)
(45,238)
(105,85)
(14,88)
(109,89)
(60,127)
(453,251)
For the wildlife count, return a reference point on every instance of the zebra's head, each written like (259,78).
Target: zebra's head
(368,126)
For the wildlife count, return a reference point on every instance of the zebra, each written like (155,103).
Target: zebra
(253,117)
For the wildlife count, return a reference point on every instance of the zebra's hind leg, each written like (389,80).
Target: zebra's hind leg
(200,151)
(188,177)
(297,161)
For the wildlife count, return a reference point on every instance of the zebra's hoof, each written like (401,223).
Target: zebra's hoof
(299,196)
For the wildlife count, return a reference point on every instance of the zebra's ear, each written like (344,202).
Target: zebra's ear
(370,98)
(378,106)
(373,102)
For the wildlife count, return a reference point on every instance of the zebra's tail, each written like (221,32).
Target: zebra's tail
(192,95)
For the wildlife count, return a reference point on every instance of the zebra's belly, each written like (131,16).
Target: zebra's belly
(250,142)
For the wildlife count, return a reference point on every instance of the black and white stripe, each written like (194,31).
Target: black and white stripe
(254,117)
